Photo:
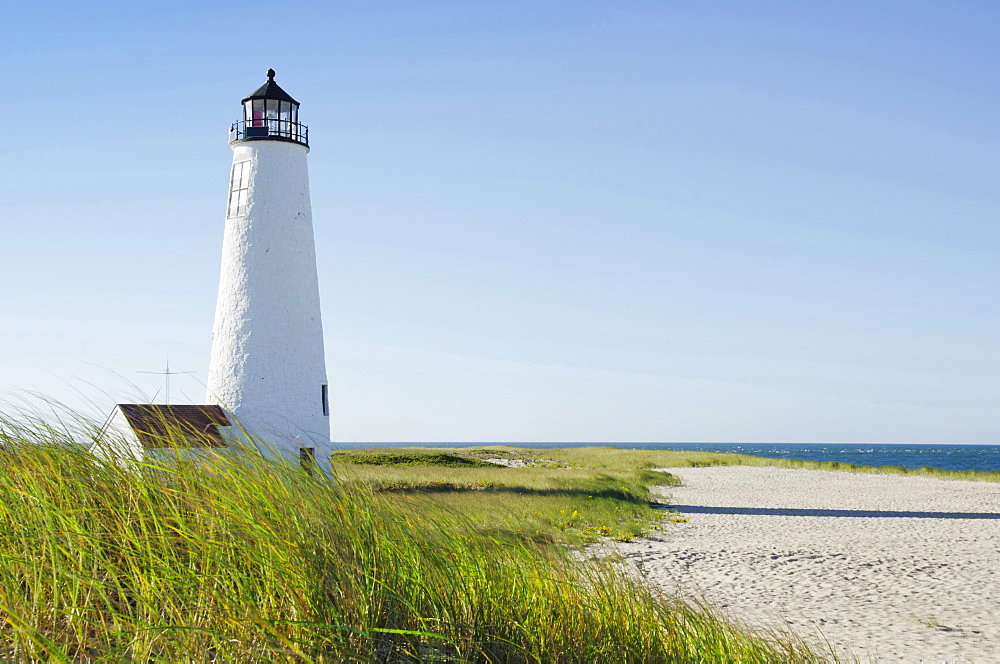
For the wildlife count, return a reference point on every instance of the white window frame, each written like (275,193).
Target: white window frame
(239,189)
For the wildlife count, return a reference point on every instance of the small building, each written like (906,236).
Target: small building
(150,432)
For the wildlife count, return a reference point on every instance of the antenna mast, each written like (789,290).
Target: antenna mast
(167,373)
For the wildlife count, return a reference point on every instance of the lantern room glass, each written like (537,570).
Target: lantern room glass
(280,117)
(269,114)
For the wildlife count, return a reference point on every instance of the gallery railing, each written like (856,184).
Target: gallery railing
(269,129)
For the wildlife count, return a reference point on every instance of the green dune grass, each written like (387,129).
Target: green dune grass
(548,500)
(575,495)
(248,560)
(618,459)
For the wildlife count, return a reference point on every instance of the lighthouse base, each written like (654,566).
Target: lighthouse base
(306,451)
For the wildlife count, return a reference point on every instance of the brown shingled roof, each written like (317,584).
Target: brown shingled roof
(159,425)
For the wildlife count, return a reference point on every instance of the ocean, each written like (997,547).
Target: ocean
(981,458)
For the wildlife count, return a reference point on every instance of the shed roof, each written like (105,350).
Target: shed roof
(158,425)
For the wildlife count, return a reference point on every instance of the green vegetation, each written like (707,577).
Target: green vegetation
(612,458)
(547,499)
(618,459)
(413,459)
(222,560)
(574,495)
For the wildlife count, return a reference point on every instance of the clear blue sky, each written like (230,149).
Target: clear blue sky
(536,221)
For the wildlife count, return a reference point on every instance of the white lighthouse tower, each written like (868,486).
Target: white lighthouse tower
(268,369)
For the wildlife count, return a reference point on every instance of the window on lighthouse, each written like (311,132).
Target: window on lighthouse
(239,189)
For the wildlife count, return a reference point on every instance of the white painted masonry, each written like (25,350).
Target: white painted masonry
(268,368)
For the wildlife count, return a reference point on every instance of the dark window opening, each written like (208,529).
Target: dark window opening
(326,400)
(307,457)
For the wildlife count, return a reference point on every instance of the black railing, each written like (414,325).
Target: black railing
(269,129)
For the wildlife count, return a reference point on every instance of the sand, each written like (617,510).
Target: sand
(882,568)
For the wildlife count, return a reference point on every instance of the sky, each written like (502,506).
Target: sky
(535,221)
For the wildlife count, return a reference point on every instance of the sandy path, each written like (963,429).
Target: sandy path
(884,568)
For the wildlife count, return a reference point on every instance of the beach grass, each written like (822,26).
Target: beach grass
(546,500)
(575,495)
(243,560)
(619,459)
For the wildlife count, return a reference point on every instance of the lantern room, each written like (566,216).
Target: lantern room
(270,114)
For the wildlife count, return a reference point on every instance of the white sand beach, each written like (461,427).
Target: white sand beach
(884,568)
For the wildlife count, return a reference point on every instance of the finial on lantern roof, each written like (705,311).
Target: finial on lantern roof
(270,90)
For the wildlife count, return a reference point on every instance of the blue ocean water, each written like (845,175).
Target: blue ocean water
(947,457)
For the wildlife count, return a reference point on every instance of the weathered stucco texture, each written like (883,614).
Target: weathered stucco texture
(268,367)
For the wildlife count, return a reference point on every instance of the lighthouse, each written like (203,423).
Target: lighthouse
(267,369)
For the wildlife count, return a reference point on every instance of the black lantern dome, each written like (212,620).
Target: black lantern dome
(270,114)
